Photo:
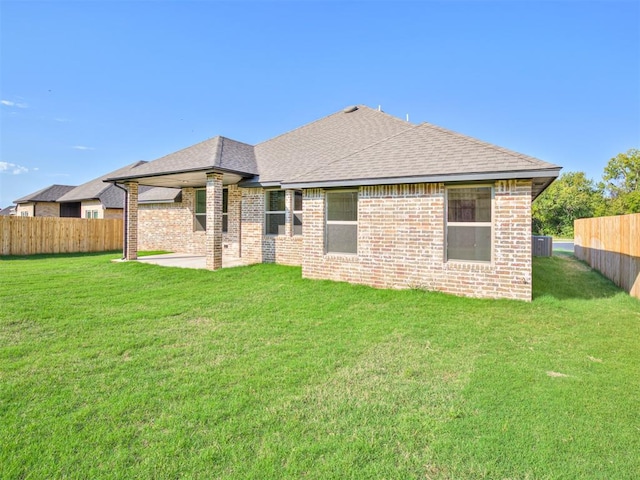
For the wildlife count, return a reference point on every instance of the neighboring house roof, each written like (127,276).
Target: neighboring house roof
(10,210)
(109,195)
(356,146)
(49,194)
(160,195)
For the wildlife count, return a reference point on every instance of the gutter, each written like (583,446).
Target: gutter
(442,178)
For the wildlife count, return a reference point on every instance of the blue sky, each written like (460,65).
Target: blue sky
(88,87)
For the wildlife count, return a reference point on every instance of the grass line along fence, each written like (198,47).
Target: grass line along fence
(34,235)
(612,246)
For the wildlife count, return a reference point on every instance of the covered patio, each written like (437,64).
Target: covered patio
(204,173)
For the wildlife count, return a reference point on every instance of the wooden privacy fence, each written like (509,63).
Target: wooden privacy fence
(612,246)
(31,235)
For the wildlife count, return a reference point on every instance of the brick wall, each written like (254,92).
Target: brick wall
(401,242)
(170,226)
(252,224)
(401,238)
(231,239)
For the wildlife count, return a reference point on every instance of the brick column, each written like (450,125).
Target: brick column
(213,246)
(288,215)
(131,239)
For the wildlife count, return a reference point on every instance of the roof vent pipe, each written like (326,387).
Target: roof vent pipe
(379,108)
(350,109)
(407,117)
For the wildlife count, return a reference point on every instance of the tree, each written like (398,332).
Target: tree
(621,184)
(571,196)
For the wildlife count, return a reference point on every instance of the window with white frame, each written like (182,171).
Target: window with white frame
(341,234)
(297,212)
(469,223)
(91,214)
(201,210)
(275,212)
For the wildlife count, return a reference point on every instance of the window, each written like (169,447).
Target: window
(201,210)
(91,214)
(225,210)
(469,223)
(297,212)
(275,212)
(341,234)
(24,214)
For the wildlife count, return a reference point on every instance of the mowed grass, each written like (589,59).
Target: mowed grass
(127,370)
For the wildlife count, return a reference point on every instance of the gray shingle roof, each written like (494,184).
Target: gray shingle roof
(10,210)
(49,194)
(217,152)
(97,189)
(423,151)
(356,146)
(314,145)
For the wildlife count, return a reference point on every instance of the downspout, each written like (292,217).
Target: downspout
(125,215)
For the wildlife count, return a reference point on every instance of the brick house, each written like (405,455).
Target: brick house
(358,196)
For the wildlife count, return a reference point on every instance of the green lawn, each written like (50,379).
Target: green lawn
(126,370)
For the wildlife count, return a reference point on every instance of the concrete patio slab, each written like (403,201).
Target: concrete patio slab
(186,260)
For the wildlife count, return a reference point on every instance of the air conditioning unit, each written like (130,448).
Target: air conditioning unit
(541,246)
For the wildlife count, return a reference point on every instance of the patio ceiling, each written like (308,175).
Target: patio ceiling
(186,179)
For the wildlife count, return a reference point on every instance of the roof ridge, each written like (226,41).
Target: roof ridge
(233,140)
(359,106)
(186,148)
(219,138)
(217,155)
(371,145)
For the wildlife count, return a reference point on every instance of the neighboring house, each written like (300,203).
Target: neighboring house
(10,210)
(44,203)
(97,199)
(93,199)
(358,196)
